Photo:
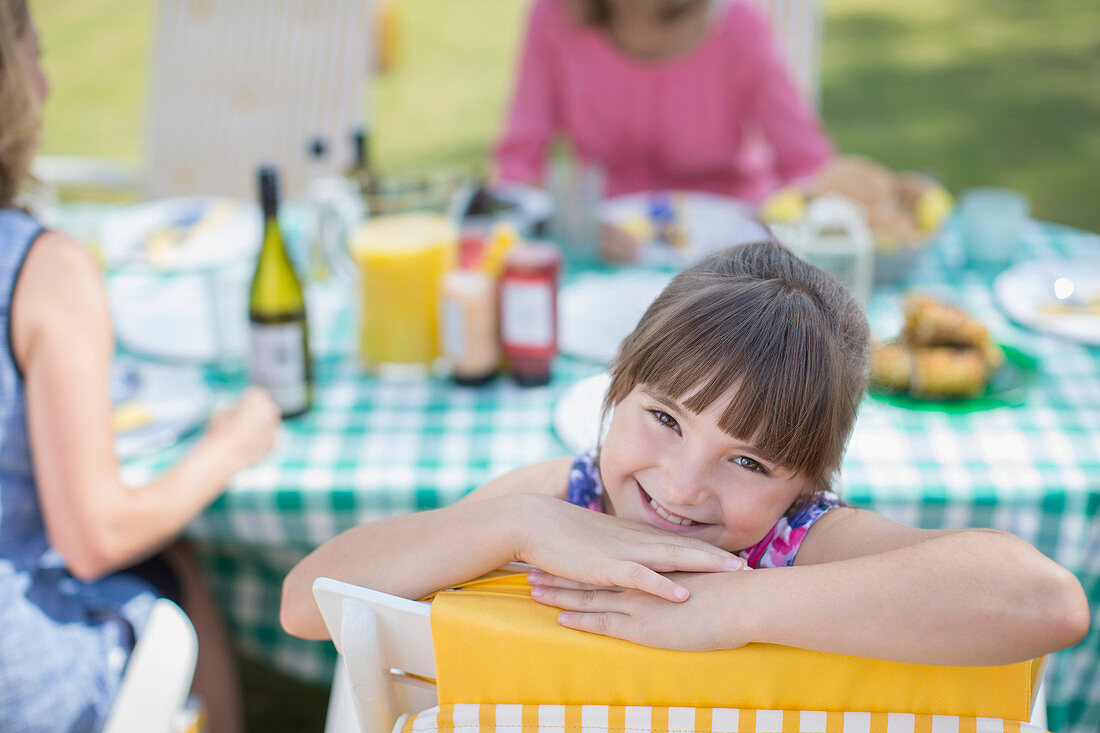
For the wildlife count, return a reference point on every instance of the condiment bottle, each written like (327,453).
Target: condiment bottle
(468,326)
(528,311)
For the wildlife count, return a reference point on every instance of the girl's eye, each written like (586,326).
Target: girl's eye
(749,464)
(665,419)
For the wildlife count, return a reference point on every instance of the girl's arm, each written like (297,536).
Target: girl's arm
(62,341)
(521,516)
(866,586)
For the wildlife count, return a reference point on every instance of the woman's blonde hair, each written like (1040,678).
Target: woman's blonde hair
(20,113)
(788,336)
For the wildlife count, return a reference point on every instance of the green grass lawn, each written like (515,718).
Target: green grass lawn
(981,92)
(997,92)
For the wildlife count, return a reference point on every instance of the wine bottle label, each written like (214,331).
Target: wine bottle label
(279,363)
(526,312)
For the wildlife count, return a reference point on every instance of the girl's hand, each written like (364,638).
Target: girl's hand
(246,430)
(595,549)
(707,621)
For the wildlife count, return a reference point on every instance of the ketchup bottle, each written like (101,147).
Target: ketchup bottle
(529,311)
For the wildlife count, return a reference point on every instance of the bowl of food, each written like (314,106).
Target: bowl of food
(904,210)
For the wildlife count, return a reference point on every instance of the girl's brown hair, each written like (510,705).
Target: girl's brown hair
(788,336)
(19,105)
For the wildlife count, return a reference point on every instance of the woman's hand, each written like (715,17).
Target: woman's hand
(617,245)
(595,549)
(247,429)
(708,620)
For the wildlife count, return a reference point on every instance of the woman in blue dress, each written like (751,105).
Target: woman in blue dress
(82,557)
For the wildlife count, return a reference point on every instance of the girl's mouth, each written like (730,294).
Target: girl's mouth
(665,514)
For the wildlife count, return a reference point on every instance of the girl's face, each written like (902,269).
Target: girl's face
(32,54)
(668,467)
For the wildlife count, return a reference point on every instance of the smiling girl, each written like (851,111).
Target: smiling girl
(706,520)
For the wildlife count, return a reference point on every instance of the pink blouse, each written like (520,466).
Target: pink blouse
(682,123)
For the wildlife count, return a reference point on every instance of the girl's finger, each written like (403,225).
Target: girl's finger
(569,599)
(638,576)
(672,557)
(539,577)
(608,624)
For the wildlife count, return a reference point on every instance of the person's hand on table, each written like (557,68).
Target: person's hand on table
(248,428)
(617,245)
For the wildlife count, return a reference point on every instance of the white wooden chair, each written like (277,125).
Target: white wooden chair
(236,84)
(386,656)
(799,28)
(157,680)
(386,668)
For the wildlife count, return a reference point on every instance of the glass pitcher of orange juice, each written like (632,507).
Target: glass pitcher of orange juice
(401,260)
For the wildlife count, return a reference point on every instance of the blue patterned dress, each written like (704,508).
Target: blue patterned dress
(63,642)
(777,548)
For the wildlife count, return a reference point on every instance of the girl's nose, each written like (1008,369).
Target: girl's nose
(685,480)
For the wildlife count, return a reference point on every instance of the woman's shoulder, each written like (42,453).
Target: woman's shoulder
(57,257)
(60,284)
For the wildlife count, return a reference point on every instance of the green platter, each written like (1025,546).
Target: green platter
(1008,388)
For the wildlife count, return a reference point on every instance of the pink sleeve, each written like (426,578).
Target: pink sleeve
(520,153)
(788,121)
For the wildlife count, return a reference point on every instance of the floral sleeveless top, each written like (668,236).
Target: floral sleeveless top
(778,547)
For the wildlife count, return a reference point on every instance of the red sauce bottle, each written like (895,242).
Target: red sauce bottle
(529,311)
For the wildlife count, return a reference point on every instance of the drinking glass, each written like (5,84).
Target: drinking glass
(992,221)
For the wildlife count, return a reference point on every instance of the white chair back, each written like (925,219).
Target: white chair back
(386,669)
(386,655)
(799,26)
(235,84)
(158,675)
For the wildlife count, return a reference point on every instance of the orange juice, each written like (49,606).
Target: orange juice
(402,259)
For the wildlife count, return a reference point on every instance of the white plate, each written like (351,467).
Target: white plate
(182,234)
(577,413)
(709,223)
(1026,291)
(174,319)
(173,400)
(597,312)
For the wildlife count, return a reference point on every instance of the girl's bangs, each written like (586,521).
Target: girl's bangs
(769,344)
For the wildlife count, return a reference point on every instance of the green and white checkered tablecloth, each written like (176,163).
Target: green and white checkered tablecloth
(371,449)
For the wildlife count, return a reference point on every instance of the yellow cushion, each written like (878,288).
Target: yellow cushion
(493,644)
(644,719)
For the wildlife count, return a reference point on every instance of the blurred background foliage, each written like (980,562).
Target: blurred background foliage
(979,92)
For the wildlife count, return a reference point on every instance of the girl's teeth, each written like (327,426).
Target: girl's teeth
(682,521)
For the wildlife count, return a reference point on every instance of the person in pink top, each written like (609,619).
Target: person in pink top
(661,95)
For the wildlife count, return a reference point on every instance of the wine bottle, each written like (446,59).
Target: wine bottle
(277,314)
(360,170)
